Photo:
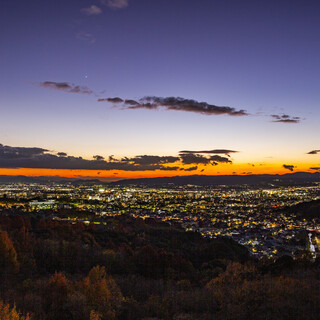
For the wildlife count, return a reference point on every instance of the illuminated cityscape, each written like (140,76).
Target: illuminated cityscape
(254,217)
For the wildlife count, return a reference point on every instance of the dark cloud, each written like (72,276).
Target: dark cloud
(148,162)
(288,167)
(65,86)
(285,118)
(180,104)
(131,102)
(190,169)
(315,168)
(190,158)
(112,100)
(151,160)
(163,168)
(215,151)
(98,158)
(314,152)
(92,10)
(7,152)
(21,157)
(217,158)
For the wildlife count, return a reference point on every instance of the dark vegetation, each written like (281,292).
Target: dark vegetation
(305,210)
(127,268)
(296,178)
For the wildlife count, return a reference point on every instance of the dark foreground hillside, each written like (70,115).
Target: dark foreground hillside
(125,268)
(304,210)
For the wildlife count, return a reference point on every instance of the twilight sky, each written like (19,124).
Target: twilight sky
(159,87)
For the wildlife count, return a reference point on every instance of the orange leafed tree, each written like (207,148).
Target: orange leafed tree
(8,255)
(56,297)
(94,315)
(102,293)
(7,313)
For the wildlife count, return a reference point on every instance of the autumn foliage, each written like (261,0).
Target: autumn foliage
(8,255)
(8,313)
(130,269)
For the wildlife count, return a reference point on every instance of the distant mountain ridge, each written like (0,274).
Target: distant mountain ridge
(203,180)
(46,179)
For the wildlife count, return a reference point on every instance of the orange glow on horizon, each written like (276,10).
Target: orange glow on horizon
(221,169)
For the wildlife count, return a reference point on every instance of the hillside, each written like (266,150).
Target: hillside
(304,210)
(132,269)
(206,180)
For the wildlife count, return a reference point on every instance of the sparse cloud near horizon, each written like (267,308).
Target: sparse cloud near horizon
(92,10)
(190,169)
(98,158)
(175,104)
(150,160)
(193,158)
(289,167)
(285,118)
(313,152)
(315,168)
(23,157)
(66,87)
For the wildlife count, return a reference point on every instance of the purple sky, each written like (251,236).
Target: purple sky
(258,56)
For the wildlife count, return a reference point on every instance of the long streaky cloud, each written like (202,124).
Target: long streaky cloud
(177,104)
(215,151)
(112,100)
(66,87)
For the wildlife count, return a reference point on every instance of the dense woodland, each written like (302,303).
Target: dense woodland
(130,268)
